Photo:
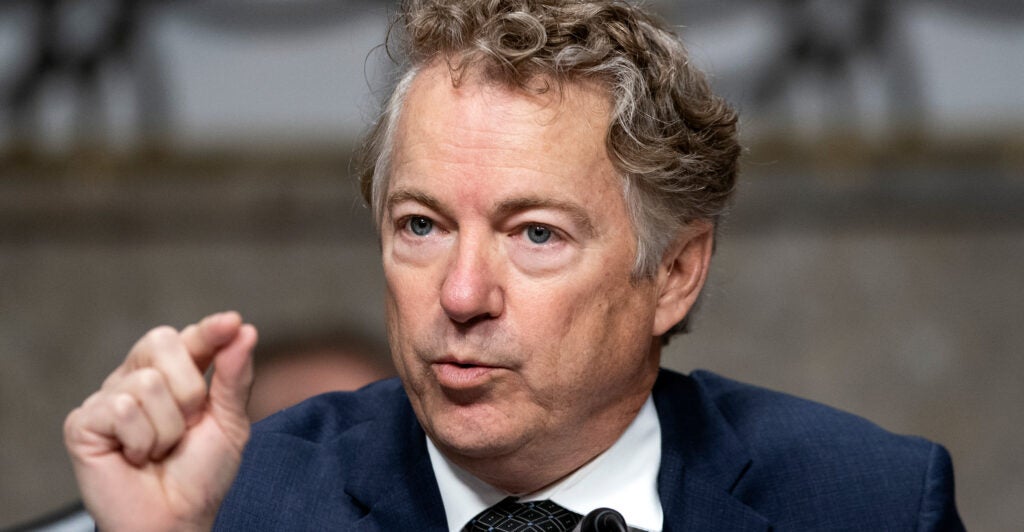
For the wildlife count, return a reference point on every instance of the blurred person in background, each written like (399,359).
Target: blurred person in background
(290,370)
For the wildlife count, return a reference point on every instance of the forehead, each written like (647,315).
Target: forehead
(554,140)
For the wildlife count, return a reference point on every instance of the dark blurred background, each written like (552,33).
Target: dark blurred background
(160,160)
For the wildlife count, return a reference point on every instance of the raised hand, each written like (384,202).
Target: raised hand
(155,448)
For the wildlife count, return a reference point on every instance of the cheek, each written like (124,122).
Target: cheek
(606,327)
(568,320)
(409,275)
(394,331)
(403,303)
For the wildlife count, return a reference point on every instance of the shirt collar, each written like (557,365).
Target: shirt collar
(624,477)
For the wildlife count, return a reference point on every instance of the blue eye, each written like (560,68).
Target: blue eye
(420,226)
(538,234)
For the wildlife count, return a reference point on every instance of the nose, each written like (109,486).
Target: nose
(472,290)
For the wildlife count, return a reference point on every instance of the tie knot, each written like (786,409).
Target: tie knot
(535,516)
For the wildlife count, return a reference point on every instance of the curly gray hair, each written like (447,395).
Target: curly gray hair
(673,141)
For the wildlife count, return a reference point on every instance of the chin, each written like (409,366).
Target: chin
(471,444)
(473,436)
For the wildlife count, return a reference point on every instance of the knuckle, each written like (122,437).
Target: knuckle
(150,381)
(125,408)
(160,336)
(157,336)
(150,345)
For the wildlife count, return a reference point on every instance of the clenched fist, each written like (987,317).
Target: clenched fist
(155,448)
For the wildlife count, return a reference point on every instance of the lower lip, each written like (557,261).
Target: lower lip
(462,377)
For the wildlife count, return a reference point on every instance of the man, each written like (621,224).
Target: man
(546,179)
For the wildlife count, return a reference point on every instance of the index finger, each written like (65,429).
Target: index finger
(204,339)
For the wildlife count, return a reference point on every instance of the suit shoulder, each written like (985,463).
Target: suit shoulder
(780,422)
(809,459)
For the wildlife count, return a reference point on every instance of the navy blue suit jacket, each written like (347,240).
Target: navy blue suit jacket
(734,457)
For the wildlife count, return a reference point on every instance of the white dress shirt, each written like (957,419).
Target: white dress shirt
(624,478)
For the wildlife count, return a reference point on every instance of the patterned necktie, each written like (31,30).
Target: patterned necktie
(511,516)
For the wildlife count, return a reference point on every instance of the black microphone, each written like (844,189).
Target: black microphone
(602,520)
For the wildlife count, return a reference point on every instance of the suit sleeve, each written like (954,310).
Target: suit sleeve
(938,504)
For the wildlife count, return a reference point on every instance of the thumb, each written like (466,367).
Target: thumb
(231,383)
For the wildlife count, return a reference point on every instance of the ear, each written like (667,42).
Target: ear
(682,273)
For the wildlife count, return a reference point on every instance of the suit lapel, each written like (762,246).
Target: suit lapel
(391,473)
(702,460)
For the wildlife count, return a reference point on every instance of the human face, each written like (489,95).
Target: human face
(507,252)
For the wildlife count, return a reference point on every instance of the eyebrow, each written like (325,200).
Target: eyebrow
(404,195)
(576,212)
